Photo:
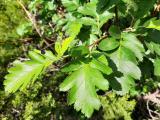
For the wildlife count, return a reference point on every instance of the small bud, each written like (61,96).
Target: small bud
(43,51)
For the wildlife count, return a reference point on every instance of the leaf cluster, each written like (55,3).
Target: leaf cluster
(111,45)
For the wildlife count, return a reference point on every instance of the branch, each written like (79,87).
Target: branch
(33,21)
(97,41)
(31,18)
(154,97)
(151,111)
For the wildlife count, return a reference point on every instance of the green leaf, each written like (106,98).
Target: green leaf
(115,32)
(50,5)
(81,85)
(104,17)
(61,48)
(79,51)
(72,66)
(108,44)
(131,42)
(157,67)
(129,68)
(88,21)
(58,47)
(127,83)
(139,8)
(65,44)
(125,61)
(101,66)
(22,73)
(106,4)
(100,57)
(153,47)
(88,9)
(101,19)
(70,5)
(153,23)
(74,28)
(24,28)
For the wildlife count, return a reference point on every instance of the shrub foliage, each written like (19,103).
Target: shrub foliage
(100,45)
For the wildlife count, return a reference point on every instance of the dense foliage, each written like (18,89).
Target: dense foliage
(103,53)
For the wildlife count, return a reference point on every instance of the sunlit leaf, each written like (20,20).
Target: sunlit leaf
(108,44)
(81,85)
(22,73)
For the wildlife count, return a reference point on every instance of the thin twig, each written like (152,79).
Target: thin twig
(14,110)
(153,97)
(97,41)
(151,111)
(33,21)
(150,114)
(31,18)
(51,26)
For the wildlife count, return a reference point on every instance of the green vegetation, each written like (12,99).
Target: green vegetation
(79,59)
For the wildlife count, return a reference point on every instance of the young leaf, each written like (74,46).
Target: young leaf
(153,23)
(65,44)
(22,73)
(74,28)
(81,85)
(90,9)
(100,63)
(58,47)
(61,48)
(102,58)
(108,44)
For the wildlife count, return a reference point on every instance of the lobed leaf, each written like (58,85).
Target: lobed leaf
(22,73)
(82,86)
(131,42)
(126,63)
